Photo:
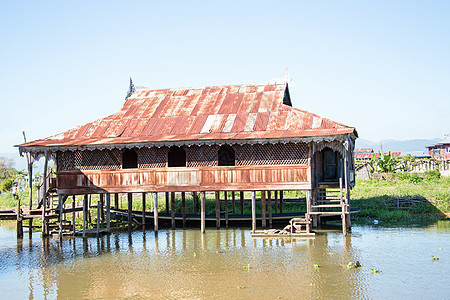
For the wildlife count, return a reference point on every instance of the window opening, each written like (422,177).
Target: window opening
(129,159)
(177,157)
(226,156)
(330,165)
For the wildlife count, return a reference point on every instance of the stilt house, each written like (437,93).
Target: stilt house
(220,138)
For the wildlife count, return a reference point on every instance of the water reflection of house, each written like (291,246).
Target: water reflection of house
(222,138)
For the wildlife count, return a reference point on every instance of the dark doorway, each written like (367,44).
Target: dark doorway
(177,157)
(330,165)
(226,156)
(129,159)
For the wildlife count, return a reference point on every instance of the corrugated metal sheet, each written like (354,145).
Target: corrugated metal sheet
(210,113)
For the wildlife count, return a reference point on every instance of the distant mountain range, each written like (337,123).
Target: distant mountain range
(417,145)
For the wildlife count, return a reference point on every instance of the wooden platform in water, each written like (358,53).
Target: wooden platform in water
(264,234)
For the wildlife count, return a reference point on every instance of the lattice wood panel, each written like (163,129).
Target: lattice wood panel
(271,154)
(65,161)
(201,156)
(153,157)
(98,159)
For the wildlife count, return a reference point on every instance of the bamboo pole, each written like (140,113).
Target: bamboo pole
(202,213)
(155,210)
(253,211)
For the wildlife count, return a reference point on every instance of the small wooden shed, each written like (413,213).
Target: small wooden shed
(220,138)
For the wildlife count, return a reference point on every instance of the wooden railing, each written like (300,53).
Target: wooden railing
(292,177)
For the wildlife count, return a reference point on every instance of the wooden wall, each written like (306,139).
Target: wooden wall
(292,177)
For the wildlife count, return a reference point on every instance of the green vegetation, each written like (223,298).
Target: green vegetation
(402,198)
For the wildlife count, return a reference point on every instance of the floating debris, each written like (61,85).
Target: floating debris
(355,265)
(441,248)
(434,257)
(375,271)
(247,267)
(330,253)
(241,287)
(316,266)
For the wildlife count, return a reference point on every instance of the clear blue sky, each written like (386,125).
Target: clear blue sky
(380,66)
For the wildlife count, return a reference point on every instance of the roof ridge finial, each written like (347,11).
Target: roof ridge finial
(286,75)
(131,89)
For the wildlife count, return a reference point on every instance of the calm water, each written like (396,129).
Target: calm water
(228,264)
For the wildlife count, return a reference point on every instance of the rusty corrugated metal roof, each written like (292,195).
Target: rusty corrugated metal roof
(237,112)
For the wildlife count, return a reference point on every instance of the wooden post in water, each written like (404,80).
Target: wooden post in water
(226,209)
(102,211)
(44,197)
(263,209)
(269,207)
(89,208)
(183,207)
(108,213)
(281,202)
(155,210)
(19,218)
(172,208)
(276,202)
(253,211)
(98,217)
(116,201)
(308,204)
(130,209)
(233,201)
(85,203)
(167,202)
(195,202)
(217,210)
(144,204)
(73,215)
(241,198)
(202,212)
(60,218)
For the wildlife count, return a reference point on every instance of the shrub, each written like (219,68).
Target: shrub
(432,174)
(7,184)
(415,179)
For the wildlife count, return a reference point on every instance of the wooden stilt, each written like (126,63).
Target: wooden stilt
(172,209)
(89,209)
(167,202)
(233,201)
(116,201)
(73,215)
(102,211)
(144,204)
(60,217)
(155,210)
(308,203)
(44,197)
(130,209)
(276,201)
(269,207)
(195,202)
(281,202)
(202,212)
(183,207)
(226,209)
(253,211)
(19,218)
(99,207)
(217,210)
(85,203)
(108,212)
(241,198)
(263,209)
